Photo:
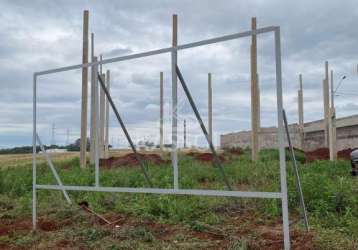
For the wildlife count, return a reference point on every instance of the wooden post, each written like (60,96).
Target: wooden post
(161,129)
(332,125)
(83,140)
(210,108)
(254,95)
(94,95)
(106,142)
(300,113)
(326,105)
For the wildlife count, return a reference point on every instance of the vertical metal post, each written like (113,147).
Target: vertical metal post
(300,112)
(184,133)
(161,131)
(175,102)
(106,142)
(283,182)
(93,104)
(326,105)
(102,118)
(97,134)
(254,95)
(210,108)
(332,125)
(34,198)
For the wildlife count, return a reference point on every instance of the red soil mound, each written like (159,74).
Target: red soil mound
(345,154)
(318,154)
(235,151)
(48,225)
(323,154)
(207,157)
(130,160)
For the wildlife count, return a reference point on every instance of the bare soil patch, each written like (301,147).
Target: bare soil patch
(323,154)
(130,160)
(205,157)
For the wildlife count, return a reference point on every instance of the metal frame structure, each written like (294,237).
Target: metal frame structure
(176,189)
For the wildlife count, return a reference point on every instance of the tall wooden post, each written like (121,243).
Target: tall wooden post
(326,105)
(106,141)
(83,140)
(332,125)
(161,129)
(94,96)
(210,108)
(300,113)
(254,95)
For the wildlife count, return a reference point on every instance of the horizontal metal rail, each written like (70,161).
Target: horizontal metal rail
(161,51)
(245,194)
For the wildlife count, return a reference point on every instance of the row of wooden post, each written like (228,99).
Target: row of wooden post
(98,103)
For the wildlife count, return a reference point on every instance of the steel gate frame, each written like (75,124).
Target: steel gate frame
(176,189)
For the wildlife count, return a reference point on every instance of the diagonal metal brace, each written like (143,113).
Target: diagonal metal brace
(295,168)
(216,159)
(138,158)
(53,169)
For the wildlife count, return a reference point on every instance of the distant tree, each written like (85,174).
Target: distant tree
(149,144)
(19,150)
(77,145)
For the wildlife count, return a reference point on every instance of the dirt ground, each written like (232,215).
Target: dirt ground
(237,225)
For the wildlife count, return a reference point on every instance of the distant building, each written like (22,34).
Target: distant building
(347,135)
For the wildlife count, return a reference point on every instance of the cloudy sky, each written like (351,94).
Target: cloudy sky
(39,35)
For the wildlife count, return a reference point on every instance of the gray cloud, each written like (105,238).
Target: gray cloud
(37,35)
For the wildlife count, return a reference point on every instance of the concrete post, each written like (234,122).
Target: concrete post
(254,95)
(300,113)
(332,125)
(326,105)
(161,119)
(83,140)
(106,141)
(210,108)
(93,104)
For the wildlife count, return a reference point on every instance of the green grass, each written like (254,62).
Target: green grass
(331,197)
